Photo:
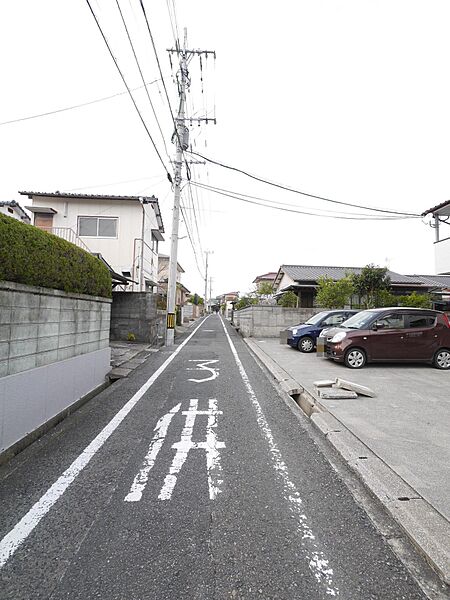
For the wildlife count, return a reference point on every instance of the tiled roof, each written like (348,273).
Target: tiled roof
(436,208)
(442,281)
(312,273)
(269,276)
(84,196)
(13,204)
(149,199)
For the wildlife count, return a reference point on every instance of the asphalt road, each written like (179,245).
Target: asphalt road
(204,486)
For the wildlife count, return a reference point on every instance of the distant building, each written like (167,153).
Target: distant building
(304,279)
(124,230)
(182,293)
(267,277)
(226,302)
(441,216)
(14,210)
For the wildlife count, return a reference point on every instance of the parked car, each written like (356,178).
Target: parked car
(391,335)
(304,335)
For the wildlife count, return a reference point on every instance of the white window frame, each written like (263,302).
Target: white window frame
(98,217)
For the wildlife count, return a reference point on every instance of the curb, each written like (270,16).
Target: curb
(427,529)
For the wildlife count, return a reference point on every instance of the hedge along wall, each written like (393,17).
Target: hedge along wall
(34,257)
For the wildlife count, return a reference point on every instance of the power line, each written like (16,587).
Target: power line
(292,210)
(297,206)
(195,219)
(182,208)
(173,23)
(293,190)
(59,110)
(169,177)
(142,76)
(164,85)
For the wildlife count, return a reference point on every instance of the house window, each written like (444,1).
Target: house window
(104,227)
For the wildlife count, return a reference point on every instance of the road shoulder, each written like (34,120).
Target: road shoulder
(425,527)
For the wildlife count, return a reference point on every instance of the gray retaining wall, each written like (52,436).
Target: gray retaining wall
(136,313)
(269,321)
(54,349)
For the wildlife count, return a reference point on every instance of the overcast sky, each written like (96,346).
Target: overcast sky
(343,99)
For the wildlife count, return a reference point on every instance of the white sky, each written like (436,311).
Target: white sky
(344,99)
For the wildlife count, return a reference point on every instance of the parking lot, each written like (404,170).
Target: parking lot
(406,424)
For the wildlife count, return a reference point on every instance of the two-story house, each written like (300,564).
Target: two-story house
(441,217)
(182,293)
(124,230)
(13,209)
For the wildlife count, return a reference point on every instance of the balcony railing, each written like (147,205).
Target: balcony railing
(68,234)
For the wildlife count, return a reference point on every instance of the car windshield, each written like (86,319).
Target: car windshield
(360,320)
(316,318)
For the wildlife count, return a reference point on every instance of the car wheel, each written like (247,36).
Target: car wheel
(355,358)
(442,359)
(305,344)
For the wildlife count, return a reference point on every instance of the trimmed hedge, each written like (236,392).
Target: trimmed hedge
(34,257)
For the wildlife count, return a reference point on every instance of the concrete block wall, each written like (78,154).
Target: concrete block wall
(39,326)
(54,352)
(137,313)
(269,321)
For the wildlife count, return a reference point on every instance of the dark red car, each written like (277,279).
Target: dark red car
(391,335)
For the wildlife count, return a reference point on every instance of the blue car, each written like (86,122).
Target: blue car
(304,336)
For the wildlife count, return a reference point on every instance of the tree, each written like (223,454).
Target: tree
(371,285)
(195,299)
(244,302)
(334,294)
(415,300)
(288,300)
(264,288)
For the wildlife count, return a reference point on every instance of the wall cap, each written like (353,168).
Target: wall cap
(41,291)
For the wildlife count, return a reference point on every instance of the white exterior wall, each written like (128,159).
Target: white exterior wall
(118,252)
(14,215)
(442,256)
(285,282)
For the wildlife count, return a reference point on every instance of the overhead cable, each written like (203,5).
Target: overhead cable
(60,110)
(295,191)
(257,201)
(164,85)
(169,176)
(142,76)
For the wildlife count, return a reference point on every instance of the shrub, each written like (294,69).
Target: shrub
(34,257)
(288,300)
(415,300)
(334,294)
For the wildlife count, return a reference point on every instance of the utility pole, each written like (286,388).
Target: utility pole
(181,136)
(207,252)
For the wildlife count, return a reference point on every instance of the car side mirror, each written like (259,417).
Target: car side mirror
(375,327)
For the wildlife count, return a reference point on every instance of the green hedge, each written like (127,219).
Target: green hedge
(34,257)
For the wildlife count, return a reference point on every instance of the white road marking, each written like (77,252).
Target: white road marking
(141,479)
(318,563)
(20,532)
(209,330)
(202,366)
(211,447)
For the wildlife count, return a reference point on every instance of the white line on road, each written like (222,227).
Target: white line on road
(140,481)
(19,533)
(183,447)
(318,563)
(202,366)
